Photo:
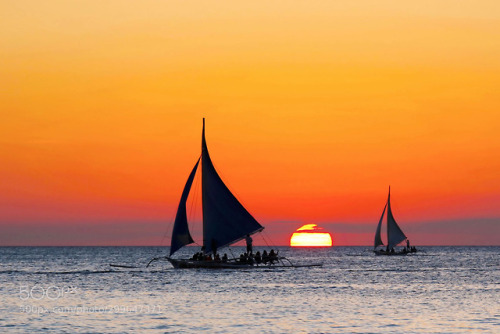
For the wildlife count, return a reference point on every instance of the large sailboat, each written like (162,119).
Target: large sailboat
(225,222)
(395,235)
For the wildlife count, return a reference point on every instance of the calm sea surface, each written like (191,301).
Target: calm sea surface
(74,290)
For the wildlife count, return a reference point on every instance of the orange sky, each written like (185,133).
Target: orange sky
(313,109)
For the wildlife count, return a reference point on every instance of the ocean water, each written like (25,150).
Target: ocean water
(74,290)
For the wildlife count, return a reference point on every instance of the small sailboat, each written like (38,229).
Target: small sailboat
(395,235)
(225,222)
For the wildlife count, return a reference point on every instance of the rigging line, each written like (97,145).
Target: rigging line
(265,237)
(231,251)
(261,234)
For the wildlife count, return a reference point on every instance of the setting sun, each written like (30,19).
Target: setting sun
(309,235)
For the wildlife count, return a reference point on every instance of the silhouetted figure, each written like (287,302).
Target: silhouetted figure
(265,256)
(245,258)
(248,239)
(272,256)
(258,258)
(224,257)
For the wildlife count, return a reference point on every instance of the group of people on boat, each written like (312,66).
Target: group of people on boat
(248,258)
(200,256)
(409,249)
(258,258)
(245,258)
(406,250)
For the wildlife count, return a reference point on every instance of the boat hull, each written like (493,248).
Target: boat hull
(191,264)
(401,253)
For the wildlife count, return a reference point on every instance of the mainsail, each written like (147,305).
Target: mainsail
(394,233)
(180,234)
(378,239)
(225,220)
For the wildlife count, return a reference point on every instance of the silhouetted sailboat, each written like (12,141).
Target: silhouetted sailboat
(225,222)
(394,234)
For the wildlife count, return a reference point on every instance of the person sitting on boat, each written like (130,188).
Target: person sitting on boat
(257,257)
(265,257)
(248,239)
(217,258)
(249,258)
(273,256)
(392,250)
(224,257)
(242,258)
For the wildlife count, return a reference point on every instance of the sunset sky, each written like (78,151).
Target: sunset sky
(313,109)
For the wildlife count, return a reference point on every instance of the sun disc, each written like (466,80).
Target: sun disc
(306,236)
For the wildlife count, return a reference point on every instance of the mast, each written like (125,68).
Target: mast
(225,220)
(394,233)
